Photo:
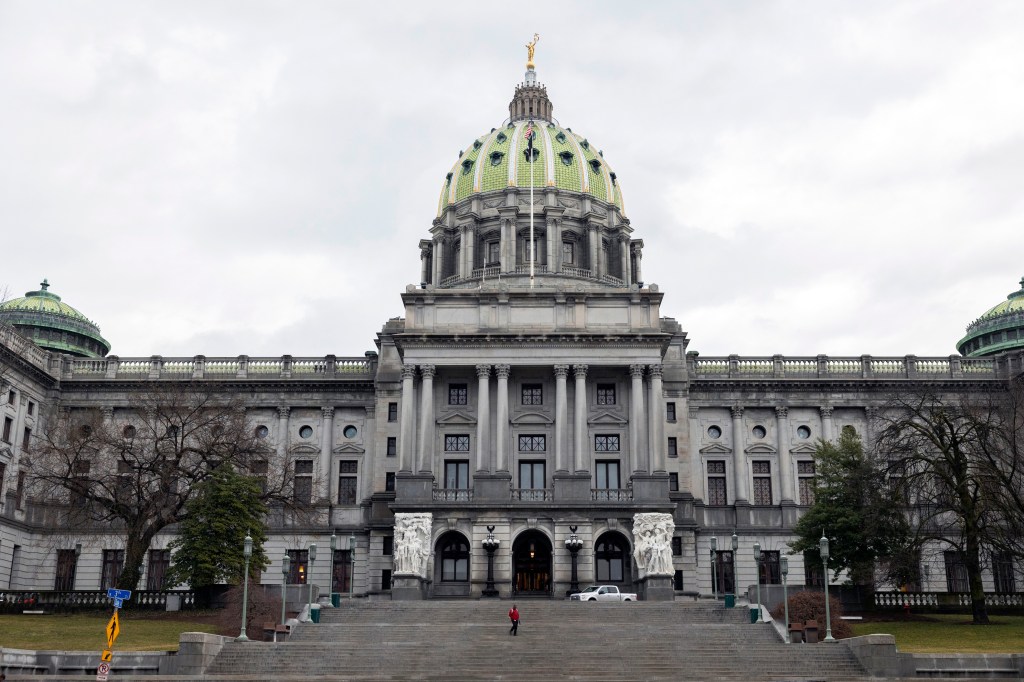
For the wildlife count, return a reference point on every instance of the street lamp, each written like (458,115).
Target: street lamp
(757,561)
(714,567)
(784,565)
(309,579)
(823,551)
(574,545)
(352,559)
(490,545)
(735,548)
(286,565)
(247,552)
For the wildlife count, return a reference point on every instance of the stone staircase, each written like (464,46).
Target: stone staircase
(463,641)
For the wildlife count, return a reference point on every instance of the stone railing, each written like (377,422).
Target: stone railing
(453,495)
(823,366)
(902,600)
(494,273)
(23,347)
(202,367)
(611,494)
(532,494)
(16,601)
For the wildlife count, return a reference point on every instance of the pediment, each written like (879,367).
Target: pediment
(607,418)
(348,449)
(6,450)
(457,419)
(304,450)
(715,449)
(533,418)
(803,449)
(761,449)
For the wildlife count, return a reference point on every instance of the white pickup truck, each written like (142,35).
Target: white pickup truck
(602,593)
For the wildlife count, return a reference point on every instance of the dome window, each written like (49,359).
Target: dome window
(566,158)
(595,165)
(477,145)
(560,137)
(496,158)
(536,154)
(585,145)
(448,179)
(501,138)
(467,166)
(613,177)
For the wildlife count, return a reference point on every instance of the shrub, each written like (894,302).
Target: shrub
(810,605)
(263,608)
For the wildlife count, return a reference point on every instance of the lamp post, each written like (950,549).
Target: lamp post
(574,545)
(714,567)
(352,564)
(735,548)
(286,565)
(247,552)
(757,562)
(334,548)
(309,579)
(784,565)
(490,545)
(823,551)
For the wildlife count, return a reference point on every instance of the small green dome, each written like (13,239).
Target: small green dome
(53,324)
(998,330)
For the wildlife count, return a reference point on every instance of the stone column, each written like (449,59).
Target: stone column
(483,416)
(785,461)
(696,460)
(463,268)
(870,416)
(656,417)
(282,431)
(624,257)
(550,234)
(470,249)
(828,431)
(579,372)
(637,255)
(326,446)
(561,416)
(501,432)
(438,262)
(426,449)
(424,259)
(406,439)
(106,413)
(636,418)
(594,246)
(739,456)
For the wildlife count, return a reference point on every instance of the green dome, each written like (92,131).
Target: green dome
(999,329)
(53,324)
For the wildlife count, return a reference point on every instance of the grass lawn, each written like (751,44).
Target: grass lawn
(951,633)
(139,632)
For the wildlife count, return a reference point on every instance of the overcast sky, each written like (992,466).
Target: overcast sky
(228,178)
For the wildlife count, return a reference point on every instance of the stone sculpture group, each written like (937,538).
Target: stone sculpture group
(652,544)
(412,543)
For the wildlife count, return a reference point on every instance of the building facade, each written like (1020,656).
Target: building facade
(533,416)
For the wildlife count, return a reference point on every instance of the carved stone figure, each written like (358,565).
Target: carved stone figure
(530,47)
(412,543)
(652,544)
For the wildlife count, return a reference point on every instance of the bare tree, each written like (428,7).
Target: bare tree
(138,474)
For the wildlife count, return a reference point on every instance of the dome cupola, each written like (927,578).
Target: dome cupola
(999,330)
(54,325)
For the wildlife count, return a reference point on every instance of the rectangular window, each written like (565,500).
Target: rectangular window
(3,470)
(156,573)
(303,481)
(956,572)
(670,412)
(568,253)
(392,412)
(606,394)
(456,474)
(456,443)
(677,545)
(8,425)
(385,579)
(10,397)
(392,446)
(26,439)
(531,475)
(31,408)
(762,482)
(533,394)
(258,469)
(814,574)
(534,443)
(1002,573)
(673,448)
(67,561)
(19,491)
(493,253)
(113,560)
(677,580)
(770,570)
(341,571)
(298,566)
(607,474)
(805,472)
(387,545)
(716,484)
(458,394)
(80,482)
(347,481)
(606,443)
(725,571)
(673,482)
(389,482)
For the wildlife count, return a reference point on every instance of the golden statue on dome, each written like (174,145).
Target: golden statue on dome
(530,47)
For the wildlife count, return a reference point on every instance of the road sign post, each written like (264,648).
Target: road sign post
(113,630)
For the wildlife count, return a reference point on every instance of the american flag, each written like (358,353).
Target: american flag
(529,131)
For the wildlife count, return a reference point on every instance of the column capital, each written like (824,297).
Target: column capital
(428,371)
(483,371)
(561,370)
(502,371)
(327,412)
(579,371)
(283,412)
(736,411)
(656,370)
(408,371)
(637,250)
(782,412)
(826,411)
(636,371)
(871,413)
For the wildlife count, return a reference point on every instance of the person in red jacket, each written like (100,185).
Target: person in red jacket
(513,615)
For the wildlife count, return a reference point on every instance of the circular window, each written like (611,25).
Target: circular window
(350,431)
(714,432)
(306,432)
(129,431)
(803,432)
(759,431)
(262,431)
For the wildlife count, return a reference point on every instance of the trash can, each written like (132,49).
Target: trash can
(314,613)
(335,599)
(730,601)
(753,614)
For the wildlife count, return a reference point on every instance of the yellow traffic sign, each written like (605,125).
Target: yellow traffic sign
(107,655)
(113,629)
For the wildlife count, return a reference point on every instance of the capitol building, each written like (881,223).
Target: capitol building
(535,417)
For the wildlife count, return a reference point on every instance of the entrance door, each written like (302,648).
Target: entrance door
(531,564)
(724,577)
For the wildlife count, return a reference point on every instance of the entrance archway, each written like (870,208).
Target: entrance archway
(451,565)
(531,564)
(612,561)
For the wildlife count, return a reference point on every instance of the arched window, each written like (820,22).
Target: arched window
(455,560)
(611,561)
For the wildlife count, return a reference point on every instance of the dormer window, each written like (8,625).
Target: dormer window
(595,165)
(585,145)
(536,154)
(448,179)
(467,166)
(501,138)
(560,137)
(477,144)
(566,158)
(496,158)
(612,177)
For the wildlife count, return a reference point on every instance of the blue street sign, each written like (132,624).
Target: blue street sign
(117,603)
(120,595)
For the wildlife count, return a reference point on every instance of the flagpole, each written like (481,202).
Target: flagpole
(533,255)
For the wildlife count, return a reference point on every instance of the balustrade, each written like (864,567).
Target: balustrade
(533,494)
(900,600)
(213,368)
(611,494)
(453,495)
(780,367)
